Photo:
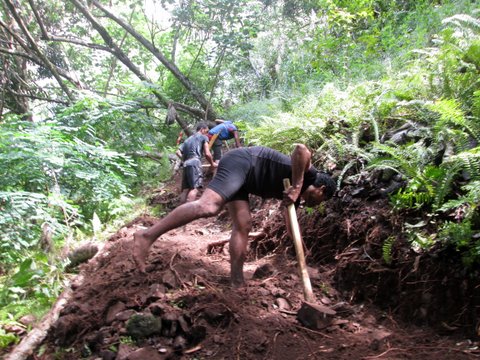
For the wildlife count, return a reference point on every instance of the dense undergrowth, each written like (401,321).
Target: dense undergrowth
(391,92)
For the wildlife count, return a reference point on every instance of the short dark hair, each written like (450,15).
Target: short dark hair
(324,179)
(201,126)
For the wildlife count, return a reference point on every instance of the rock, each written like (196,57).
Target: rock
(143,326)
(315,316)
(282,304)
(169,279)
(123,352)
(157,308)
(169,324)
(125,315)
(114,310)
(217,314)
(146,353)
(107,355)
(196,334)
(156,292)
(325,300)
(263,271)
(180,343)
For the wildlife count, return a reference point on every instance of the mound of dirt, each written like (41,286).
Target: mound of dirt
(184,308)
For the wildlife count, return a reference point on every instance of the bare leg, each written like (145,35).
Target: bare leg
(240,212)
(188,195)
(183,196)
(208,205)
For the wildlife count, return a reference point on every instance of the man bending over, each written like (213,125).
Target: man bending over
(253,170)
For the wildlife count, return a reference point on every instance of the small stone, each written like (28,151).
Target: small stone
(282,304)
(107,355)
(156,292)
(145,353)
(114,310)
(263,271)
(180,343)
(169,279)
(197,334)
(125,315)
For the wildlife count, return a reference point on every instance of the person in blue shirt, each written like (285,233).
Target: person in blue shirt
(225,130)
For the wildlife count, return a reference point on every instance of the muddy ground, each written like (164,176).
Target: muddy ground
(413,306)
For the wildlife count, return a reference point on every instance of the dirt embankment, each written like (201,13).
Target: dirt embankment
(416,306)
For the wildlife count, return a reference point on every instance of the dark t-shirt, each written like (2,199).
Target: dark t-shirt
(192,148)
(255,170)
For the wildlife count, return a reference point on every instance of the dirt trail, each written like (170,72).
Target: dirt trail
(184,308)
(203,318)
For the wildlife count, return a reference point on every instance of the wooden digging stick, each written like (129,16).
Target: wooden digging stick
(297,241)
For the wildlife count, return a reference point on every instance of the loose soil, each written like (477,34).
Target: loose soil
(418,306)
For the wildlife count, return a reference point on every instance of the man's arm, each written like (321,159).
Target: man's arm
(237,139)
(179,154)
(301,162)
(208,154)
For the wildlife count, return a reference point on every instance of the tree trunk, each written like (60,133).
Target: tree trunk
(120,55)
(37,49)
(202,100)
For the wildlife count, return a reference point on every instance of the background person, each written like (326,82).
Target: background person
(191,152)
(225,130)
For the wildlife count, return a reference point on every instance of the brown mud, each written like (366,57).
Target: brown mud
(418,306)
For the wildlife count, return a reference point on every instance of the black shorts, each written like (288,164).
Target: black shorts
(232,172)
(192,174)
(217,149)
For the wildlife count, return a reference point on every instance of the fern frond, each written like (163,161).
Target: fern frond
(444,184)
(471,198)
(466,160)
(387,248)
(463,21)
(450,113)
(401,159)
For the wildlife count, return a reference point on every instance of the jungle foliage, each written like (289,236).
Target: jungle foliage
(382,91)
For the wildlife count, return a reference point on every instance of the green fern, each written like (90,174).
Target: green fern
(468,161)
(387,250)
(463,21)
(469,200)
(451,114)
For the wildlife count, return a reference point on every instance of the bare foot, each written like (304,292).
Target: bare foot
(140,250)
(237,282)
